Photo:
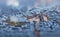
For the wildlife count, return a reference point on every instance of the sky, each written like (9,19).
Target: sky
(30,3)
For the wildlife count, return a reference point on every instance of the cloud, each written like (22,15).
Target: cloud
(14,3)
